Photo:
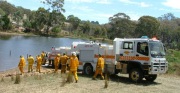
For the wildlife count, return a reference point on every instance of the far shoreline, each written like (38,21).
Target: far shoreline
(16,33)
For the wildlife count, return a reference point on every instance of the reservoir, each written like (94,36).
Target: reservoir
(11,47)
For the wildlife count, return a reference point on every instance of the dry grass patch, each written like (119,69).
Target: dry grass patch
(64,79)
(2,79)
(18,79)
(106,80)
(37,76)
(12,78)
(70,78)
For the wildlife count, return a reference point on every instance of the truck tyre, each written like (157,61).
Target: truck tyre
(135,75)
(151,78)
(52,62)
(88,69)
(116,72)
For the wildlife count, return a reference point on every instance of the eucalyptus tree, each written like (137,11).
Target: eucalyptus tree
(169,30)
(85,27)
(120,26)
(55,16)
(147,25)
(7,7)
(17,16)
(5,23)
(75,21)
(1,12)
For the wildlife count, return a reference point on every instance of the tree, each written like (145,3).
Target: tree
(95,22)
(121,26)
(55,16)
(17,16)
(5,22)
(2,13)
(74,21)
(148,26)
(168,16)
(7,7)
(169,30)
(85,27)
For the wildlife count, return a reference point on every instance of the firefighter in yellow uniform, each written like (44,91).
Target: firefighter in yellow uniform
(39,62)
(56,62)
(64,60)
(73,64)
(99,67)
(43,57)
(30,63)
(22,64)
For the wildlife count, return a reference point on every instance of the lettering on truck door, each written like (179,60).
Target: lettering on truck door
(127,51)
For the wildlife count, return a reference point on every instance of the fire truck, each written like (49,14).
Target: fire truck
(60,50)
(138,57)
(55,51)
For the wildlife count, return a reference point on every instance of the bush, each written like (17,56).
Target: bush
(173,57)
(56,29)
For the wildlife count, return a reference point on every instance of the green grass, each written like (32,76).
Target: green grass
(173,57)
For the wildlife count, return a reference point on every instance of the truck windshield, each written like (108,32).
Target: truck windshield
(156,49)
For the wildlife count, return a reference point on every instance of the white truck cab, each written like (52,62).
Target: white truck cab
(140,58)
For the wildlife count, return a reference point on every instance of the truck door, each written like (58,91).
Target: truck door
(127,50)
(86,55)
(142,51)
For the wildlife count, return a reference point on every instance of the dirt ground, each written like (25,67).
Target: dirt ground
(48,82)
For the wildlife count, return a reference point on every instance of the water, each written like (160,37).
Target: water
(11,47)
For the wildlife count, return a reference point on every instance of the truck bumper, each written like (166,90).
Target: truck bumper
(158,70)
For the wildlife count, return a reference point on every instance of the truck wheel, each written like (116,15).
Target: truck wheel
(88,69)
(116,71)
(52,62)
(135,75)
(151,77)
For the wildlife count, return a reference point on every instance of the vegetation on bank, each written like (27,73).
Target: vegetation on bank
(173,58)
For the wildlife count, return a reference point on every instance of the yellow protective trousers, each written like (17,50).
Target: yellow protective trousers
(30,68)
(21,69)
(38,68)
(63,68)
(98,71)
(56,68)
(74,72)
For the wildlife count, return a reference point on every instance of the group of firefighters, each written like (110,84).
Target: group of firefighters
(63,60)
(40,59)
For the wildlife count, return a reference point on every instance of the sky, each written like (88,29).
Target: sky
(101,10)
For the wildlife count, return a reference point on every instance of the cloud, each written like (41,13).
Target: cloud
(133,15)
(104,2)
(82,8)
(91,1)
(80,1)
(172,3)
(141,4)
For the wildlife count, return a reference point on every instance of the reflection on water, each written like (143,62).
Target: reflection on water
(5,37)
(11,47)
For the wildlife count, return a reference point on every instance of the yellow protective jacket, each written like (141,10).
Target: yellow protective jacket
(64,59)
(22,62)
(56,61)
(42,55)
(39,60)
(100,63)
(74,63)
(30,60)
